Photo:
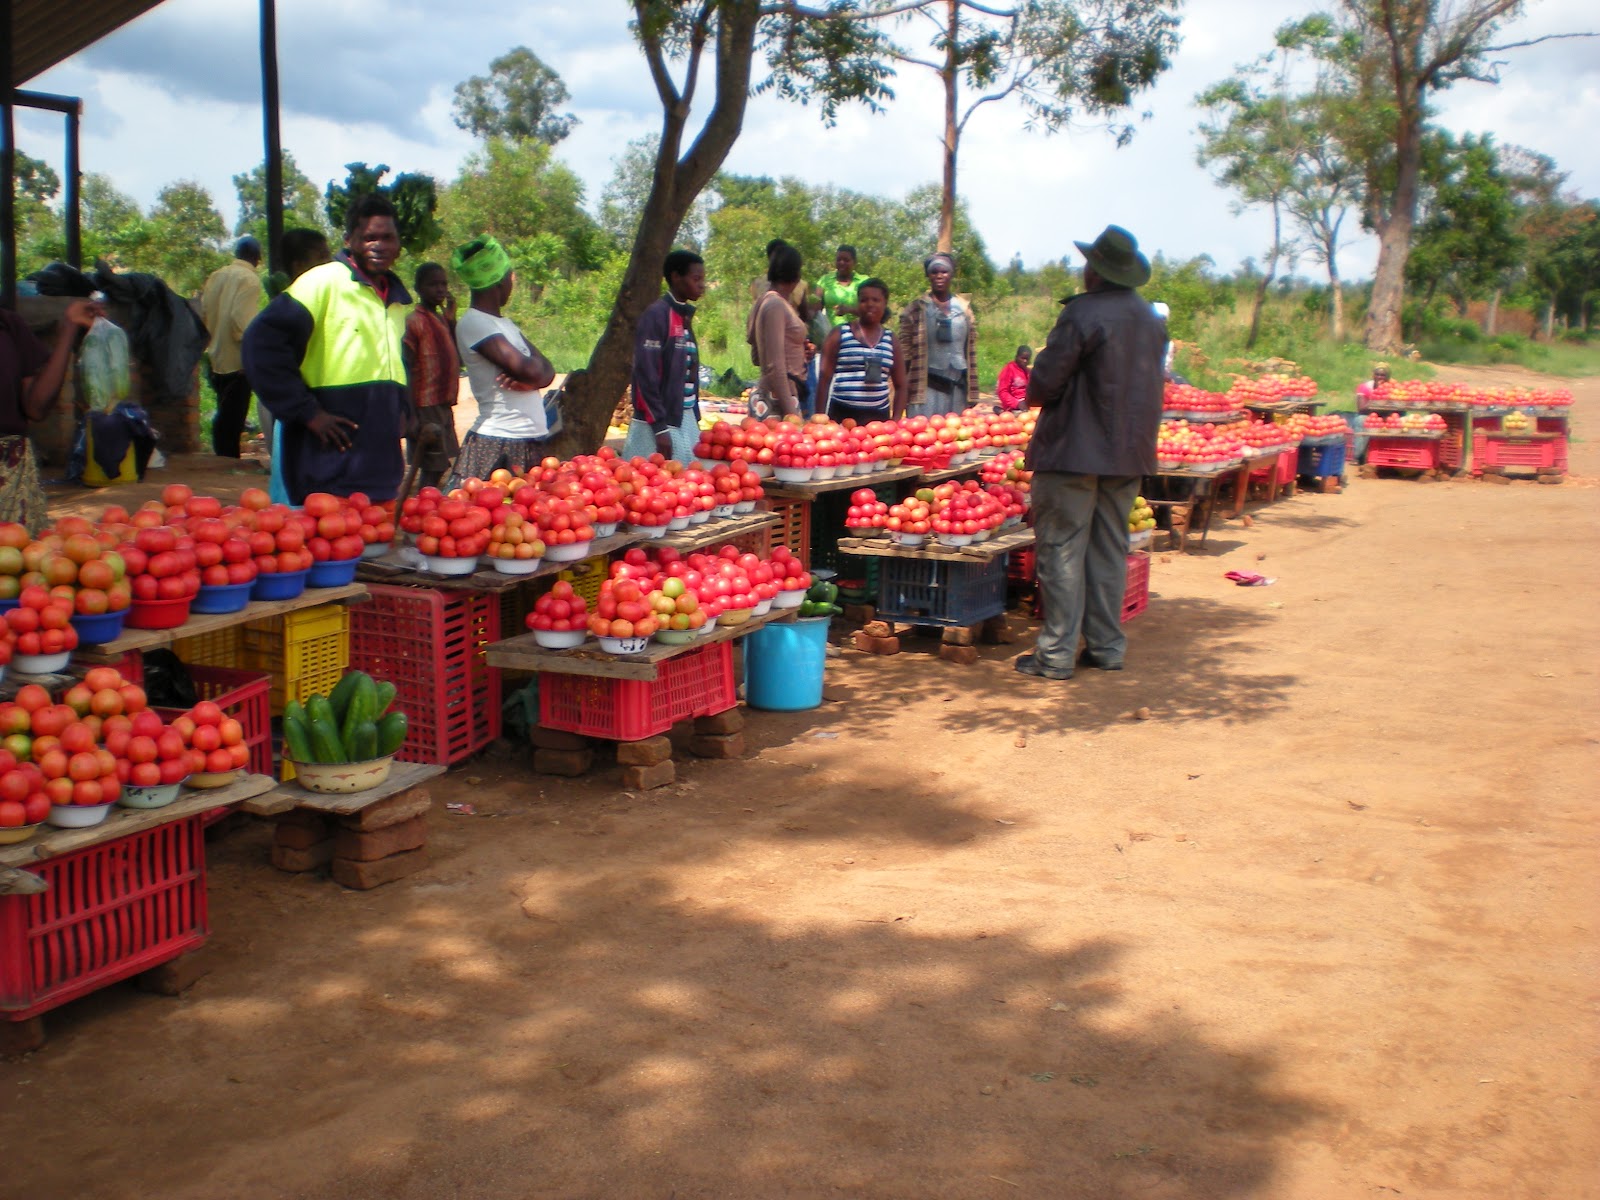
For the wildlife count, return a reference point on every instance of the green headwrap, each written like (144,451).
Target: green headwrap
(481,263)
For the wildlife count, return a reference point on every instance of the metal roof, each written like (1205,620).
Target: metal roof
(43,35)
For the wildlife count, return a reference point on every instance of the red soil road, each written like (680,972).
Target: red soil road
(1323,927)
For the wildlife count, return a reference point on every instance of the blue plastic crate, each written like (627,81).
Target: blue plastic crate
(1322,461)
(938,592)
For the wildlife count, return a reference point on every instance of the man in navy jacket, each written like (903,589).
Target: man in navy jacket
(666,365)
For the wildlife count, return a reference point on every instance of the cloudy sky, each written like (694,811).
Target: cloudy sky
(176,94)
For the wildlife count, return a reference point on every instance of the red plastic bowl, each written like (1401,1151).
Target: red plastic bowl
(159,614)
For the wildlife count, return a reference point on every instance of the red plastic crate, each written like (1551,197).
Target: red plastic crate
(1136,596)
(1414,453)
(696,684)
(1453,446)
(1489,450)
(246,697)
(111,911)
(429,644)
(1020,565)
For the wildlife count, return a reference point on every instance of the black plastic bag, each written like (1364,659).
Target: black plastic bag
(166,681)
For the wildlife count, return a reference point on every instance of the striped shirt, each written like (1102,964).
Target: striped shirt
(851,365)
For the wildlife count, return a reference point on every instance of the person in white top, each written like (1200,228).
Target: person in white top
(505,370)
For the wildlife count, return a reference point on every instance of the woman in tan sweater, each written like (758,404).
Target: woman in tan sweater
(778,338)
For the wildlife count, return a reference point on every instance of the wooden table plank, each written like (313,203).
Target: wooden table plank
(716,531)
(290,795)
(146,639)
(486,578)
(931,551)
(944,473)
(810,491)
(522,653)
(122,821)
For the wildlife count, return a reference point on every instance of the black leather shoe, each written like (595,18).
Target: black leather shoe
(1029,664)
(1088,660)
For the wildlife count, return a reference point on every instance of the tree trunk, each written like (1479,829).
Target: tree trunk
(1492,317)
(1549,320)
(950,77)
(592,394)
(1267,277)
(1336,305)
(1383,334)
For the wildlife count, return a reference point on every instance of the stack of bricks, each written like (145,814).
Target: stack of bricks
(646,763)
(379,844)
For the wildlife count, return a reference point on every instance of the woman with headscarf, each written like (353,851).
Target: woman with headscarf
(938,342)
(505,370)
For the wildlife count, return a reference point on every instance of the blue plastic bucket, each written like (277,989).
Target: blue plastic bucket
(335,572)
(98,628)
(222,597)
(783,665)
(281,585)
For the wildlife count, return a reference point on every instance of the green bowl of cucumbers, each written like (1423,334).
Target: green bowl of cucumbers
(345,741)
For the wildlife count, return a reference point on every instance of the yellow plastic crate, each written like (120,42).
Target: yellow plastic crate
(587,576)
(219,648)
(306,652)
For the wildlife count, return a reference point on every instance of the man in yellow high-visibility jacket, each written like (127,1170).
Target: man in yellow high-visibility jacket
(325,357)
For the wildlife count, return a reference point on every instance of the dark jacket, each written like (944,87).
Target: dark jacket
(666,361)
(331,344)
(1098,384)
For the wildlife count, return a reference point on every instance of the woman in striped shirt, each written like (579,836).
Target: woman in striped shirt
(862,374)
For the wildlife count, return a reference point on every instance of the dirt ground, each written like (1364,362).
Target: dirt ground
(1323,927)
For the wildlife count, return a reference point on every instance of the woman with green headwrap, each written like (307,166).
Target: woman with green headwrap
(505,370)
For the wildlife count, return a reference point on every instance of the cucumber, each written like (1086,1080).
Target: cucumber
(296,710)
(339,698)
(362,744)
(326,744)
(362,707)
(319,709)
(297,739)
(391,732)
(386,693)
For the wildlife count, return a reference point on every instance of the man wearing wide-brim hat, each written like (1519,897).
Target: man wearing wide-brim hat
(1097,384)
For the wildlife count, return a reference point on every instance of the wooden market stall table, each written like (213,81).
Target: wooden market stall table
(1455,441)
(818,487)
(523,653)
(717,532)
(391,570)
(84,908)
(1289,404)
(203,623)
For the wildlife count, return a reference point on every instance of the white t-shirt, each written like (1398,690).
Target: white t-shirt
(501,413)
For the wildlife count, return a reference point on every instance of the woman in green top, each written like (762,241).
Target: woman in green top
(839,289)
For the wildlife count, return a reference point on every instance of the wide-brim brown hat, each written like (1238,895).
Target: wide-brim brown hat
(1115,257)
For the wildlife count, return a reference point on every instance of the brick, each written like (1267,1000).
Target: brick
(298,836)
(309,859)
(1549,479)
(960,635)
(996,631)
(646,753)
(860,614)
(557,739)
(21,1037)
(562,762)
(176,977)
(731,721)
(964,655)
(714,745)
(879,629)
(363,876)
(1330,485)
(392,810)
(366,846)
(642,779)
(877,645)
(1500,479)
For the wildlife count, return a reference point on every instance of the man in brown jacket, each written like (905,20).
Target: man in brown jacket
(1098,384)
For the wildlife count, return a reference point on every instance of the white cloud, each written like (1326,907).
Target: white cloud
(174,96)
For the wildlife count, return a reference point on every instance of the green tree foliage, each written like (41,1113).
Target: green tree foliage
(531,203)
(186,235)
(517,100)
(623,200)
(302,206)
(113,227)
(1466,239)
(39,232)
(1060,60)
(414,196)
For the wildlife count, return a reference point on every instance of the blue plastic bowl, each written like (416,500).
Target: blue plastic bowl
(7,605)
(96,628)
(284,585)
(333,573)
(222,597)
